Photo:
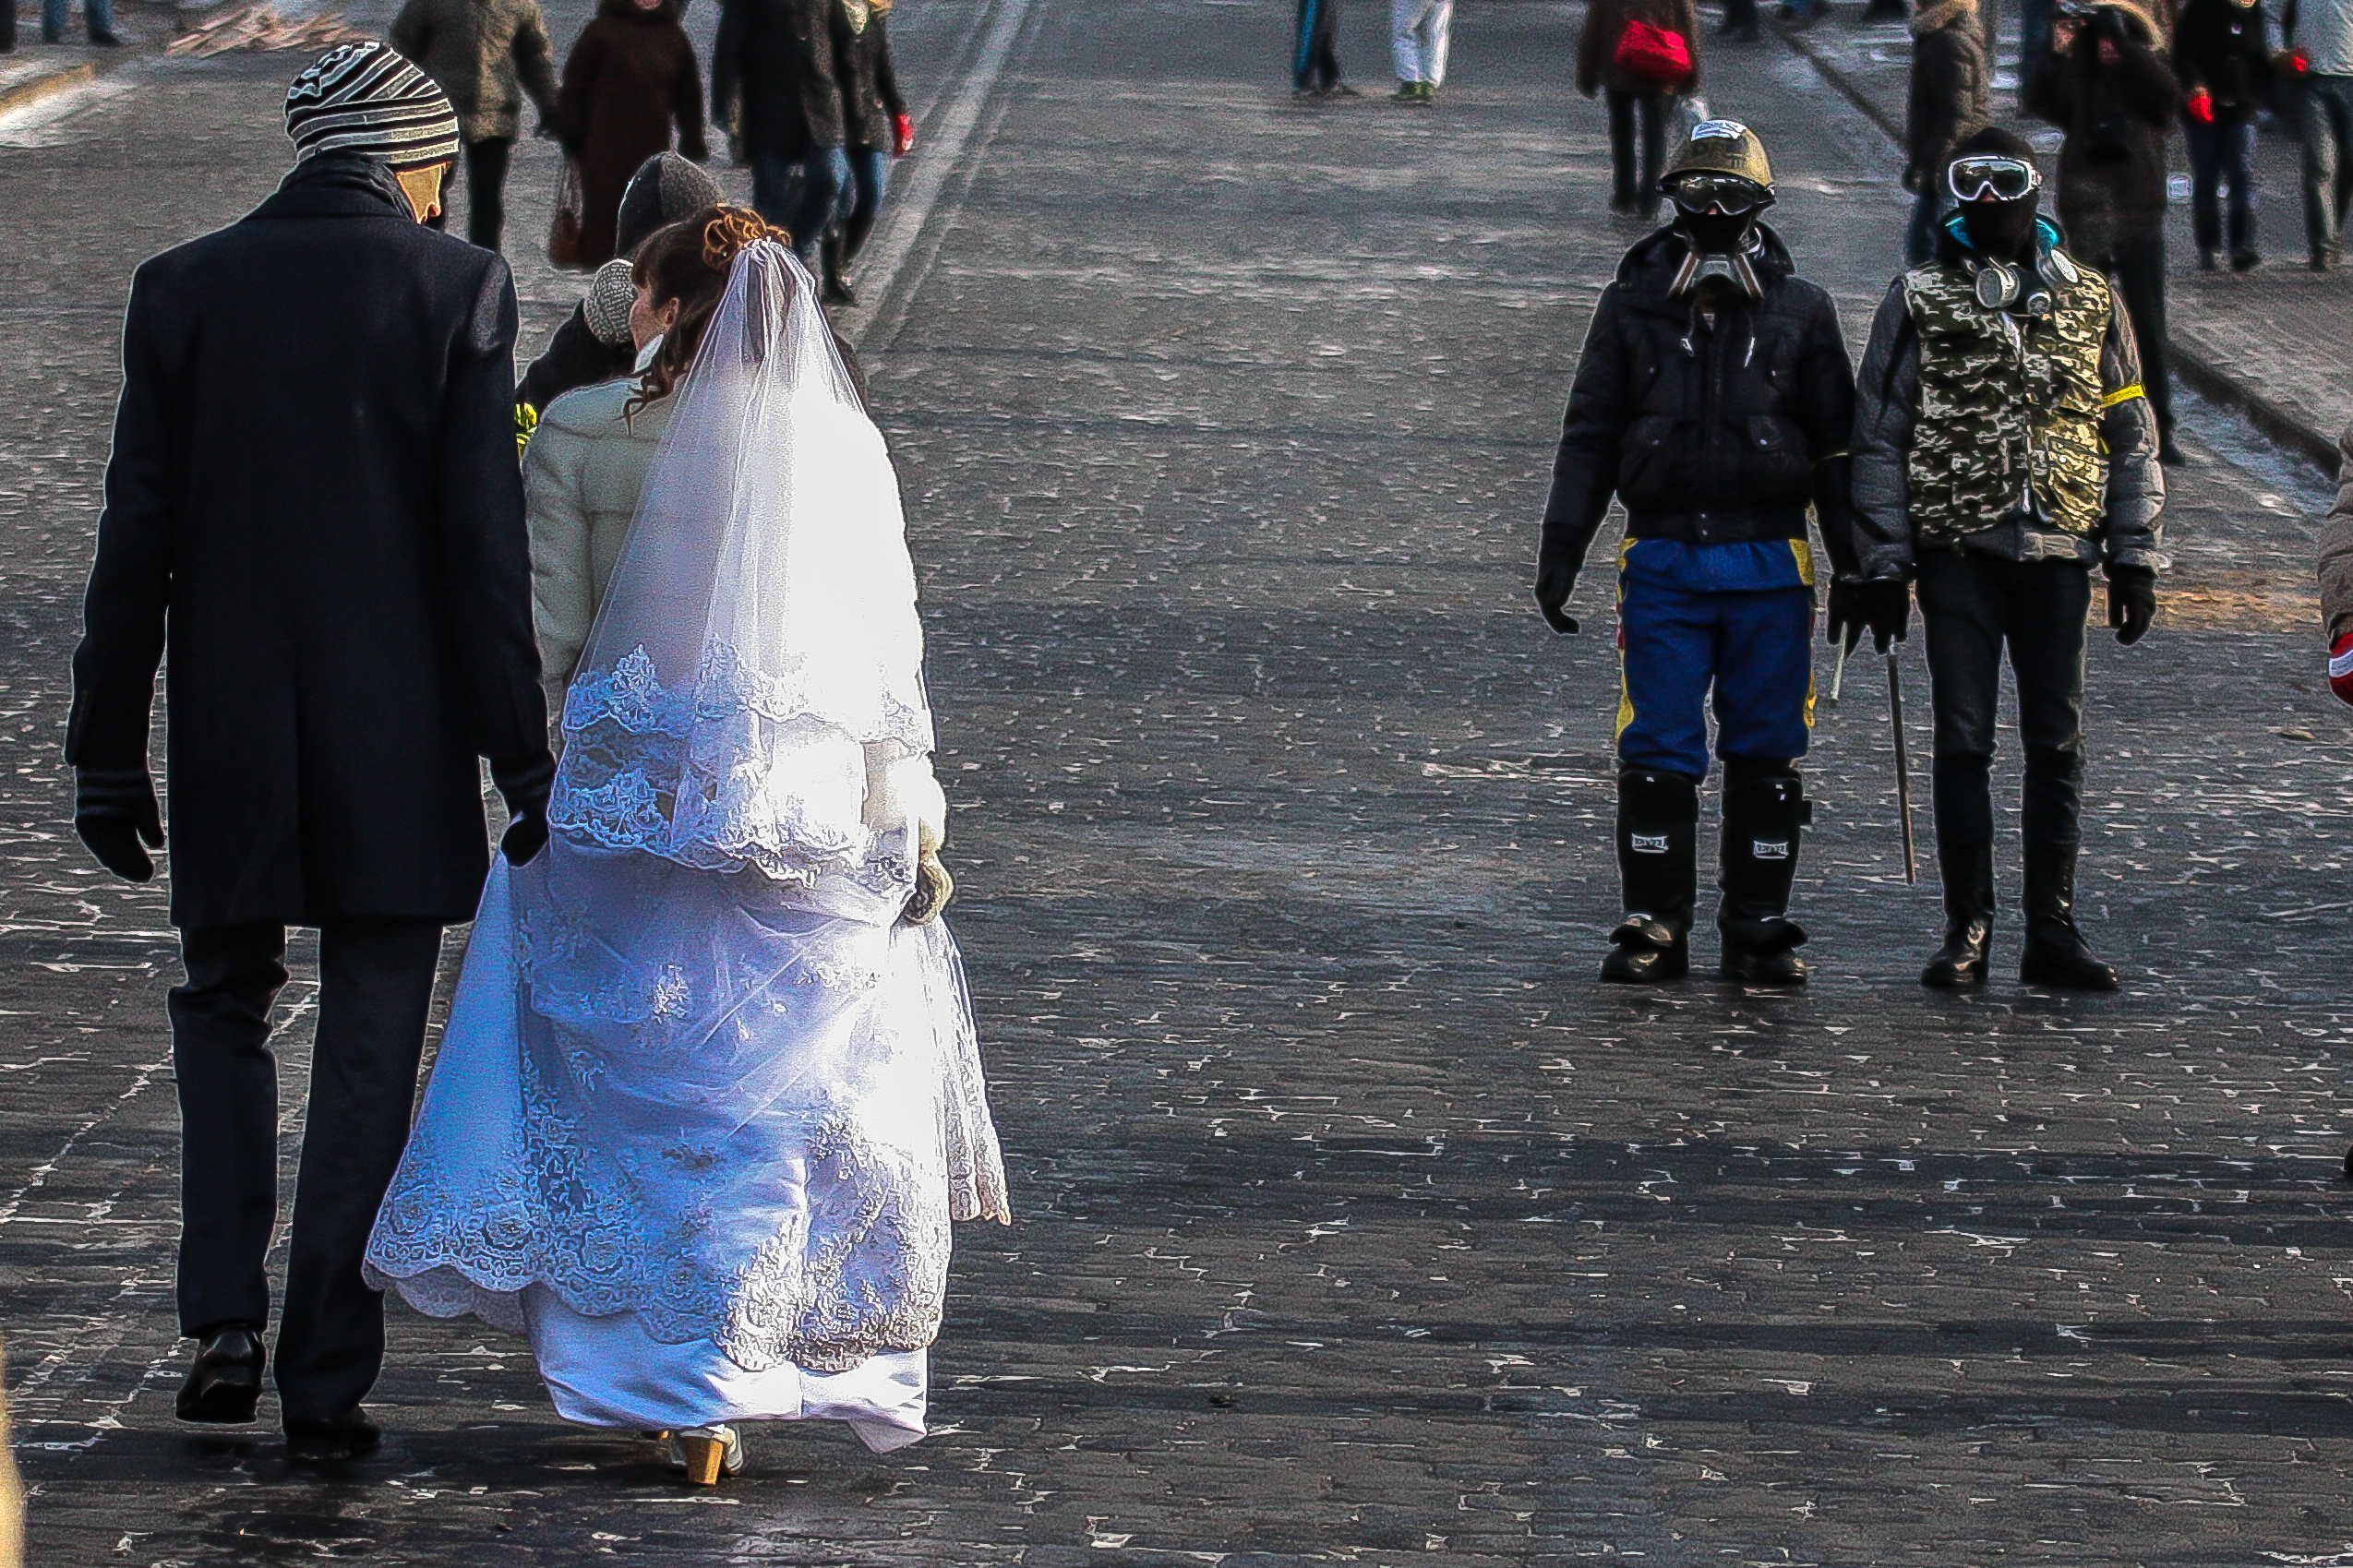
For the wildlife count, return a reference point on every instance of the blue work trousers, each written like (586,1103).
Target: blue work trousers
(1752,647)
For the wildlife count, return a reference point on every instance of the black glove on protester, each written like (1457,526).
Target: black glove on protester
(2131,601)
(523,785)
(1884,605)
(1555,581)
(114,810)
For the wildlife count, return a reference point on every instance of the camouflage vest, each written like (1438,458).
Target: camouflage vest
(2005,400)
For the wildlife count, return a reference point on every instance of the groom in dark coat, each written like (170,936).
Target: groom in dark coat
(314,484)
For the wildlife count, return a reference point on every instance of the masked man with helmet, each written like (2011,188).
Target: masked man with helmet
(1714,399)
(2003,446)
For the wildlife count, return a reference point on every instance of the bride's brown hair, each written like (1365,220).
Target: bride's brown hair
(688,262)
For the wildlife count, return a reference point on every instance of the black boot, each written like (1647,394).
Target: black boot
(1764,808)
(1658,824)
(2055,951)
(225,1383)
(837,284)
(351,1435)
(1964,960)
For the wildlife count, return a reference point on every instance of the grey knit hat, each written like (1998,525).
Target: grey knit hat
(607,308)
(363,98)
(666,190)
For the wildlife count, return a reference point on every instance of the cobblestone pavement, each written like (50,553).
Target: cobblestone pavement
(1356,1223)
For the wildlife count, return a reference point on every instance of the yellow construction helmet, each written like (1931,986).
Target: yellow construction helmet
(1720,146)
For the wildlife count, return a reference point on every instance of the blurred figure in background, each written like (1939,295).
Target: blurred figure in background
(2108,86)
(876,127)
(776,83)
(485,55)
(1315,66)
(629,79)
(2220,59)
(98,15)
(2319,38)
(593,346)
(1951,98)
(1418,32)
(1639,54)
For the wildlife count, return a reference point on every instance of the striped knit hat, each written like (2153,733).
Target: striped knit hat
(363,98)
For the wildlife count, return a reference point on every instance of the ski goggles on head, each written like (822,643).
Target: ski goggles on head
(1728,194)
(1991,179)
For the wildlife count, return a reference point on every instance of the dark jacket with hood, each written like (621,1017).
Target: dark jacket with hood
(314,484)
(2115,114)
(774,60)
(1952,95)
(2218,45)
(1714,434)
(1887,409)
(629,79)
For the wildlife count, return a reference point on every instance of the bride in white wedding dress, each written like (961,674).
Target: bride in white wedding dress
(710,1093)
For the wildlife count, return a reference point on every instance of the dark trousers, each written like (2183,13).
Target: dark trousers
(1314,66)
(485,190)
(805,196)
(375,986)
(870,173)
(2327,115)
(2221,153)
(1970,606)
(2136,265)
(1651,108)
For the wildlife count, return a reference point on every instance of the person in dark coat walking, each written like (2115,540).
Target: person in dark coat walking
(1605,65)
(2220,59)
(2106,83)
(630,76)
(666,190)
(876,128)
(774,77)
(1952,98)
(313,507)
(1314,62)
(1714,399)
(485,55)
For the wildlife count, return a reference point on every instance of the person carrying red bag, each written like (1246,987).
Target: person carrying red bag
(1641,56)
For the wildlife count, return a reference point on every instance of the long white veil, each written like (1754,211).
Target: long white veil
(758,645)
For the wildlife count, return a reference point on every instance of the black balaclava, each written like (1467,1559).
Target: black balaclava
(2004,229)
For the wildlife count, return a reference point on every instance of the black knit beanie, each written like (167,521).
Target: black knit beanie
(666,190)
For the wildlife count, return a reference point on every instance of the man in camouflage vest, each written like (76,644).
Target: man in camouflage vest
(2003,447)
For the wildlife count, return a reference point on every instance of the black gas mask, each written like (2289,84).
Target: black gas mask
(1716,215)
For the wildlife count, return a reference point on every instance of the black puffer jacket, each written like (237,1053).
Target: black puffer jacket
(1717,434)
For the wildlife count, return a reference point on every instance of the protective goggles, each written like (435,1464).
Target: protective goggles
(1991,179)
(1728,194)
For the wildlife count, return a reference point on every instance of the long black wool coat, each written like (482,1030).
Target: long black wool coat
(314,484)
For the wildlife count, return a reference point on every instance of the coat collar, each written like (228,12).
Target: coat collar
(338,185)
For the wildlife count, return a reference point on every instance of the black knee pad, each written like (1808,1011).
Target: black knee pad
(1653,795)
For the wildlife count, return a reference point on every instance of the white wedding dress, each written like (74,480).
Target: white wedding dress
(705,1107)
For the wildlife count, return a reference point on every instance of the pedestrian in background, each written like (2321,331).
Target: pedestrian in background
(1640,54)
(1419,31)
(628,79)
(775,78)
(1714,399)
(876,128)
(1951,98)
(2220,59)
(594,345)
(97,17)
(2319,38)
(2107,84)
(2002,449)
(1314,62)
(313,505)
(485,55)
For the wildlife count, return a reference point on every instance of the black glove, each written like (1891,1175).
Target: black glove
(523,784)
(1882,605)
(1555,581)
(114,810)
(2131,601)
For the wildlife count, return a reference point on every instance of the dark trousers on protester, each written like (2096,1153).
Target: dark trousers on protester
(2221,153)
(1971,607)
(2135,264)
(1314,66)
(804,196)
(376,984)
(1628,189)
(2328,162)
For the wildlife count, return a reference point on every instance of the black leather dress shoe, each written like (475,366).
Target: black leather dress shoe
(348,1436)
(225,1383)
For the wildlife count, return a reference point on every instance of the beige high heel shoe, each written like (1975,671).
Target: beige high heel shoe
(706,1453)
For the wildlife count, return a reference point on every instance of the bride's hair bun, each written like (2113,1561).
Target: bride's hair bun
(731,231)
